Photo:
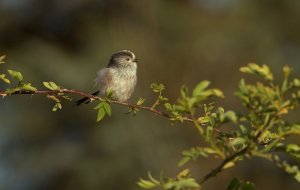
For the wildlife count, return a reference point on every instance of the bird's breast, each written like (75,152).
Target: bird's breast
(123,84)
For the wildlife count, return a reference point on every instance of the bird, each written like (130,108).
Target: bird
(119,78)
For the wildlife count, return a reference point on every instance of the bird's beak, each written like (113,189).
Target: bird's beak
(135,60)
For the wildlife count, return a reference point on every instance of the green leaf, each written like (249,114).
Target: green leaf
(184,91)
(107,108)
(200,87)
(286,71)
(228,165)
(146,184)
(140,101)
(183,161)
(184,183)
(57,106)
(101,114)
(3,78)
(54,98)
(238,141)
(51,85)
(296,82)
(16,75)
(29,87)
(229,116)
(2,57)
(217,93)
(157,87)
(103,109)
(253,68)
(99,105)
(236,184)
(168,106)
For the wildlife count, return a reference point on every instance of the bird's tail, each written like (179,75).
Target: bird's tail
(85,100)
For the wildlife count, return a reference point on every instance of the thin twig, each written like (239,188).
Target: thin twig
(84,94)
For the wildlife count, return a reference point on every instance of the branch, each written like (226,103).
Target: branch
(220,167)
(84,94)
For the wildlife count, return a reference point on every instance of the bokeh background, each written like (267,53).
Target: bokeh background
(177,42)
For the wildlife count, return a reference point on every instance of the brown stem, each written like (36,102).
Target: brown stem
(76,92)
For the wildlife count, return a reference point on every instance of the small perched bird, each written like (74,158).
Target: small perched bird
(118,78)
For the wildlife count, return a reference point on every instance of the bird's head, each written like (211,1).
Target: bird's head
(124,58)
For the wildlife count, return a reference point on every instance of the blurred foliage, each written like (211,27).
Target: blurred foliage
(256,133)
(177,42)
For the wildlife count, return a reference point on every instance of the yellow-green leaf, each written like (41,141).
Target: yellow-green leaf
(140,101)
(16,75)
(101,114)
(107,108)
(200,87)
(29,87)
(2,57)
(3,78)
(228,165)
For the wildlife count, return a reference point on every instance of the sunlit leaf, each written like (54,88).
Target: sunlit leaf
(16,75)
(107,108)
(253,68)
(157,87)
(140,101)
(228,165)
(200,87)
(2,57)
(101,114)
(51,85)
(57,106)
(29,87)
(3,78)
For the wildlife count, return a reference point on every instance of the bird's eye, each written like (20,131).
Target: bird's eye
(127,59)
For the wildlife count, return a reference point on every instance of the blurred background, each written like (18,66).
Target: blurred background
(176,41)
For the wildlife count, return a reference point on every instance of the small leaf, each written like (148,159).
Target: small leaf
(54,86)
(152,178)
(183,161)
(29,87)
(54,98)
(2,57)
(217,93)
(107,108)
(228,165)
(157,87)
(200,87)
(237,141)
(16,75)
(99,105)
(146,184)
(101,114)
(296,82)
(234,184)
(183,174)
(286,71)
(2,77)
(57,106)
(168,106)
(140,101)
(253,68)
(184,91)
(51,85)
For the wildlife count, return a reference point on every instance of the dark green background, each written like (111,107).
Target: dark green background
(176,42)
